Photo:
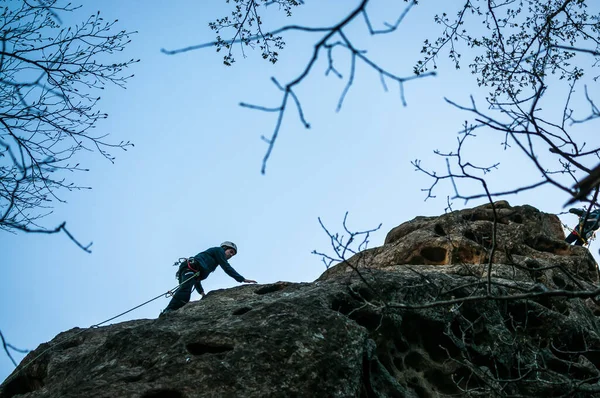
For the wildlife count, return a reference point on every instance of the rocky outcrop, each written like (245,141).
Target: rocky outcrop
(522,241)
(427,325)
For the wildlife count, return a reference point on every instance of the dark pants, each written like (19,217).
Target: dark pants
(182,295)
(574,237)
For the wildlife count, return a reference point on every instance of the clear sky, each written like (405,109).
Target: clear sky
(193,178)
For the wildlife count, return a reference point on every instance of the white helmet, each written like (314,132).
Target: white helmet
(229,245)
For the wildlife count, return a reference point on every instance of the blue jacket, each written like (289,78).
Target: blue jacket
(210,258)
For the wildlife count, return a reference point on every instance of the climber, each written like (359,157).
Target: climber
(202,264)
(586,227)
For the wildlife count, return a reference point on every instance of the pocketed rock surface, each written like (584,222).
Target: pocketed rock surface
(368,327)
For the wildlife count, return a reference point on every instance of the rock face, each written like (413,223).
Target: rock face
(526,241)
(372,326)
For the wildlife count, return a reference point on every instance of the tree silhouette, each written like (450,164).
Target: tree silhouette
(528,57)
(50,76)
(530,54)
(245,27)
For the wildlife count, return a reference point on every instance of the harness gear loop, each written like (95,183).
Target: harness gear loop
(190,265)
(188,261)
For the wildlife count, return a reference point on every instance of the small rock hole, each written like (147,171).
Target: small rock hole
(434,254)
(342,306)
(415,361)
(559,282)
(163,393)
(202,348)
(21,385)
(271,288)
(71,343)
(517,218)
(439,230)
(242,311)
(416,260)
(399,364)
(470,235)
(368,320)
(132,378)
(401,345)
(366,294)
(545,244)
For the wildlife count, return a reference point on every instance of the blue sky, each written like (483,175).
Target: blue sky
(193,178)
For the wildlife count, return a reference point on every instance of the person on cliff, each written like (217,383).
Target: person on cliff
(195,269)
(586,227)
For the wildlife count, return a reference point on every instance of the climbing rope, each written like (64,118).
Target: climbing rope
(169,293)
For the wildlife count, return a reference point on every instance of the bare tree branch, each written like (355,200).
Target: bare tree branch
(520,49)
(246,14)
(7,347)
(49,77)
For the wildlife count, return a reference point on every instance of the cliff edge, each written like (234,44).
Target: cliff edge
(477,302)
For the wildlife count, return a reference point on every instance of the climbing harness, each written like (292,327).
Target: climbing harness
(169,293)
(586,242)
(189,262)
(589,236)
